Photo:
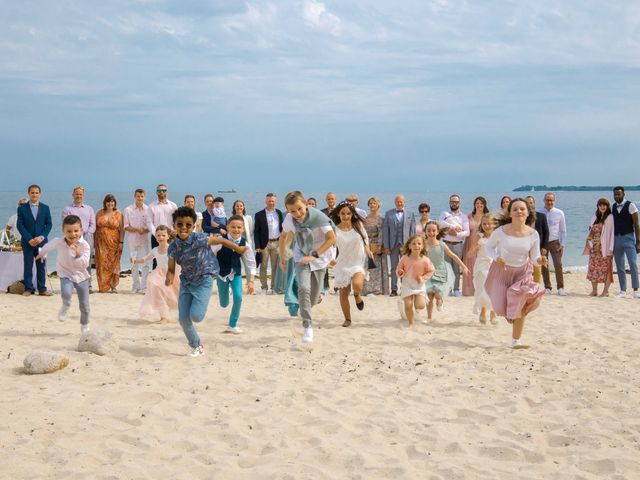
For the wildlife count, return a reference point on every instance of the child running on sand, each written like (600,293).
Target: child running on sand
(159,299)
(71,265)
(230,274)
(192,252)
(482,301)
(414,269)
(441,282)
(312,253)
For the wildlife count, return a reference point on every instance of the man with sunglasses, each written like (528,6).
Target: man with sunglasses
(161,213)
(457,224)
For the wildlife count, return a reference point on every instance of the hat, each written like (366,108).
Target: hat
(218,199)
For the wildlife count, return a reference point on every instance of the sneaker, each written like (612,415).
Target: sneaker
(561,292)
(394,293)
(621,294)
(269,292)
(308,335)
(263,291)
(141,291)
(457,293)
(636,294)
(234,330)
(84,329)
(547,291)
(199,350)
(134,290)
(62,314)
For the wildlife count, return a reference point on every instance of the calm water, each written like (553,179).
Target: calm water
(578,208)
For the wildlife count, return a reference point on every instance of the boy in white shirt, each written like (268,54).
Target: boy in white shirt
(71,265)
(312,254)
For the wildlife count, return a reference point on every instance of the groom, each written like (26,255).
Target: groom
(34,224)
(397,228)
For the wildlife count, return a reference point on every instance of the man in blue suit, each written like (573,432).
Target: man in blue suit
(399,225)
(34,224)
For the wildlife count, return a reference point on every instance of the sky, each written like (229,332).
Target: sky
(343,95)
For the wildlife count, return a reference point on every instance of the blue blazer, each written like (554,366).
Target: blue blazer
(389,239)
(31,228)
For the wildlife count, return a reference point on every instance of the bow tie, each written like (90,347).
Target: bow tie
(399,211)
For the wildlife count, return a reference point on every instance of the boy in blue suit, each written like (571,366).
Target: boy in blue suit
(34,224)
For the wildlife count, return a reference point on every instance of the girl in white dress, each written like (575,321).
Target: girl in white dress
(159,300)
(481,267)
(350,267)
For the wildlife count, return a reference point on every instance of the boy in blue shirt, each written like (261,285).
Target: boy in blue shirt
(192,252)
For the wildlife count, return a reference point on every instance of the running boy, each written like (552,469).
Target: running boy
(312,253)
(230,275)
(71,265)
(192,252)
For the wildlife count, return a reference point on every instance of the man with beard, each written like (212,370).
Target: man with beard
(161,213)
(457,224)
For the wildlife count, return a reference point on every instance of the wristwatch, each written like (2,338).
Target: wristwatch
(314,253)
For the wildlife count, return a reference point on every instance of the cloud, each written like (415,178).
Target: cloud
(316,15)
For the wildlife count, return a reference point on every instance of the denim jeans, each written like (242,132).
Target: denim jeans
(193,301)
(223,297)
(309,285)
(66,290)
(626,245)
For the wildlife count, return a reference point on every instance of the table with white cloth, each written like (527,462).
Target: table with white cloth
(11,269)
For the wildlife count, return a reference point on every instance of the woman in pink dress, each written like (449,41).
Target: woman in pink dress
(599,247)
(510,286)
(471,244)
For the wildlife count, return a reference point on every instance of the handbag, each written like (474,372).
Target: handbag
(371,264)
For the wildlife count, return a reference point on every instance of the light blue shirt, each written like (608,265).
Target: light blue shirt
(34,209)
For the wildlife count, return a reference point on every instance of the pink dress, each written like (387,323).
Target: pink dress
(159,300)
(469,256)
(510,287)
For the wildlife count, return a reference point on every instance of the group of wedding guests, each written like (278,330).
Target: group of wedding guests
(613,235)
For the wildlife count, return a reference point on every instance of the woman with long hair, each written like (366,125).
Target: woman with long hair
(470,251)
(599,247)
(514,247)
(108,241)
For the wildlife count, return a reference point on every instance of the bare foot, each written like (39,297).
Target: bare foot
(604,294)
(492,318)
(593,293)
(483,318)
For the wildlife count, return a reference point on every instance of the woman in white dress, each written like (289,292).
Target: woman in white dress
(482,302)
(350,268)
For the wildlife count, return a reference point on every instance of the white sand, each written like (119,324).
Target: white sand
(446,401)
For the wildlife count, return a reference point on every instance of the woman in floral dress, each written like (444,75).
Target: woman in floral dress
(599,247)
(378,282)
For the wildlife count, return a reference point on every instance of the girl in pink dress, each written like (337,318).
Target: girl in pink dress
(159,300)
(471,244)
(414,269)
(510,286)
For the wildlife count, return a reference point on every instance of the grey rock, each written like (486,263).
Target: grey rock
(44,362)
(99,342)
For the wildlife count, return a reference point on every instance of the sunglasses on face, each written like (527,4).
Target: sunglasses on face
(424,211)
(162,190)
(184,225)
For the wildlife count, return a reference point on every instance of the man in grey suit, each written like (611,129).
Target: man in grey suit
(398,226)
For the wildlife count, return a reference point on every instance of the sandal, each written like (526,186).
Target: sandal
(360,304)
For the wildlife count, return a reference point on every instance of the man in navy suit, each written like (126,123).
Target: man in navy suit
(399,225)
(34,224)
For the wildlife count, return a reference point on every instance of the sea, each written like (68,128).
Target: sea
(577,206)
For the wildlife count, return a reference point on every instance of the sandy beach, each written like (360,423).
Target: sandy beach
(446,401)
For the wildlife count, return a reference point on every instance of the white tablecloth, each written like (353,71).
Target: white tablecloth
(11,269)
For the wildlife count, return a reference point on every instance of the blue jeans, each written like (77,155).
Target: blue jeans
(223,296)
(66,290)
(626,245)
(193,301)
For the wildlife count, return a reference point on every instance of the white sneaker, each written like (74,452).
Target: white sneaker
(561,292)
(84,329)
(234,330)
(457,293)
(636,294)
(621,294)
(308,335)
(134,290)
(62,314)
(263,291)
(141,291)
(199,350)
(547,291)
(269,292)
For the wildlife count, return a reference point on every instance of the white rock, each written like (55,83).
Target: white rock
(44,362)
(99,342)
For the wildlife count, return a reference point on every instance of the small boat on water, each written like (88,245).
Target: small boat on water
(233,190)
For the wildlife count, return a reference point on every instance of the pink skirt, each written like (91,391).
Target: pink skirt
(159,300)
(512,291)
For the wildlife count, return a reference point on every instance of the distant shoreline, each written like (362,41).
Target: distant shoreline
(572,188)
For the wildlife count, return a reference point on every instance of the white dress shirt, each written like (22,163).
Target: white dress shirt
(451,220)
(274,224)
(632,206)
(557,225)
(161,214)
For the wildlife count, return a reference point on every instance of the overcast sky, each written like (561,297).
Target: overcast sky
(344,95)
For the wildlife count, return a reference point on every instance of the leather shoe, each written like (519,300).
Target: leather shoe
(393,293)
(27,293)
(45,294)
